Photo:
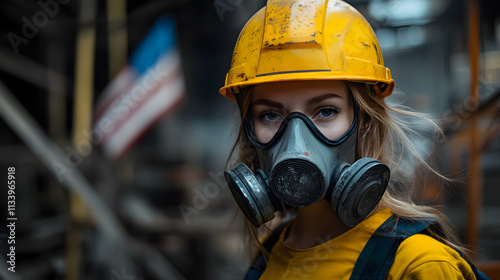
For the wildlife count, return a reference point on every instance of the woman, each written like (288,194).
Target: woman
(317,139)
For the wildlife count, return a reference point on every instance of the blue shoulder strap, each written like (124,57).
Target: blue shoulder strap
(379,252)
(377,255)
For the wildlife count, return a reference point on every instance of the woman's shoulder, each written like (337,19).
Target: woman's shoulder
(423,257)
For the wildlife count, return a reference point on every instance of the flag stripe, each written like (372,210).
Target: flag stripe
(145,129)
(144,117)
(125,119)
(121,108)
(123,82)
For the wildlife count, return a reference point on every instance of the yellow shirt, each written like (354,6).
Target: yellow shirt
(418,257)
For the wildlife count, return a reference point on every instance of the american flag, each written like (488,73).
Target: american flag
(142,93)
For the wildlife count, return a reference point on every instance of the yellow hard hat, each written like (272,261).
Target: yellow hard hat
(291,40)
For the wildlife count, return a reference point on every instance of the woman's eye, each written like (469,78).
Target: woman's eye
(269,117)
(327,112)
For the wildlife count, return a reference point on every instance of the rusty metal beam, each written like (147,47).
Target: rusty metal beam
(474,180)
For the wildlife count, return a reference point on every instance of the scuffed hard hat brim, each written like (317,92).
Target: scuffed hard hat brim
(321,74)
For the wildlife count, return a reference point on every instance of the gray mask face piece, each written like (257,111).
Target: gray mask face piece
(303,167)
(300,164)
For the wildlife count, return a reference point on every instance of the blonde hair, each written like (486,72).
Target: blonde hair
(385,132)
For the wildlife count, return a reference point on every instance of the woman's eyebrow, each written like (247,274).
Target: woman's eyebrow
(269,103)
(320,98)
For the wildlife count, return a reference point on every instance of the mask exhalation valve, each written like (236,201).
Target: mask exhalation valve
(297,182)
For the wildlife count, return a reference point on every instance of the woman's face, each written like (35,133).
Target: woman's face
(327,103)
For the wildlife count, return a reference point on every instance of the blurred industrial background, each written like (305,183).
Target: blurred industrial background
(144,197)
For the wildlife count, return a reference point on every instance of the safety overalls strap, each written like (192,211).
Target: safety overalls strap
(377,255)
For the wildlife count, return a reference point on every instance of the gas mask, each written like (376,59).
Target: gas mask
(300,166)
